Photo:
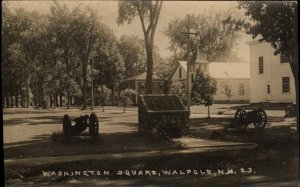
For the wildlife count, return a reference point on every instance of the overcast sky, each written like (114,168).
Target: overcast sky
(108,11)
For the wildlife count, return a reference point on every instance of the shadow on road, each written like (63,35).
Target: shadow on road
(58,144)
(40,120)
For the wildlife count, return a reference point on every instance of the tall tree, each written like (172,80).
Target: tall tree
(216,34)
(276,23)
(133,52)
(86,25)
(148,12)
(109,64)
(61,19)
(20,44)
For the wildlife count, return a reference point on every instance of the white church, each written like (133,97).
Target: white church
(233,75)
(271,79)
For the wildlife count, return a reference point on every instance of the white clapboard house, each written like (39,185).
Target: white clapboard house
(271,77)
(235,75)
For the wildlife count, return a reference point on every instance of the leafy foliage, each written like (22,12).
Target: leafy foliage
(216,34)
(148,12)
(52,54)
(127,97)
(178,88)
(203,89)
(276,23)
(104,94)
(132,50)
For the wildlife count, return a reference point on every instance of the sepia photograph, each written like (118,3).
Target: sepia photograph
(150,93)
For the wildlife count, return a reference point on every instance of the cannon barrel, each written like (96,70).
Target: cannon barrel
(81,124)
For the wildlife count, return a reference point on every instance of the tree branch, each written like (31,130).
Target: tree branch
(158,10)
(141,18)
(152,15)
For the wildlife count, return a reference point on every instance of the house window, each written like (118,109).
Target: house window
(284,58)
(285,84)
(161,85)
(268,89)
(180,75)
(241,89)
(261,65)
(142,85)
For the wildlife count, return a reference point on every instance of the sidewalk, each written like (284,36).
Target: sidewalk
(192,146)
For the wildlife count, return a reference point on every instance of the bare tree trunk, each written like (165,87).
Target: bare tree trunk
(17,98)
(27,94)
(208,110)
(54,100)
(84,77)
(68,99)
(22,99)
(60,99)
(149,70)
(11,101)
(113,95)
(51,101)
(7,101)
(37,96)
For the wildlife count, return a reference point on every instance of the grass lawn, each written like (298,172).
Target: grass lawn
(275,158)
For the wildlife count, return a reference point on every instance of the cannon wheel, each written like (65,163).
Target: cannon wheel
(240,118)
(94,126)
(67,125)
(261,119)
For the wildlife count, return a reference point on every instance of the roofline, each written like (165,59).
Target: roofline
(173,72)
(253,42)
(243,62)
(133,78)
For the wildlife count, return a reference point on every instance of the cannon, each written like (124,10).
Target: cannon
(76,126)
(162,115)
(290,110)
(243,119)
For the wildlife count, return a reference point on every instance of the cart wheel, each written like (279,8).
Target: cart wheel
(261,119)
(240,119)
(67,125)
(94,126)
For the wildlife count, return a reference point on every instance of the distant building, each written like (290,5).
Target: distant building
(235,76)
(271,79)
(138,83)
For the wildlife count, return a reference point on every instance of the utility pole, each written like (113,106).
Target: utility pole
(188,33)
(92,77)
